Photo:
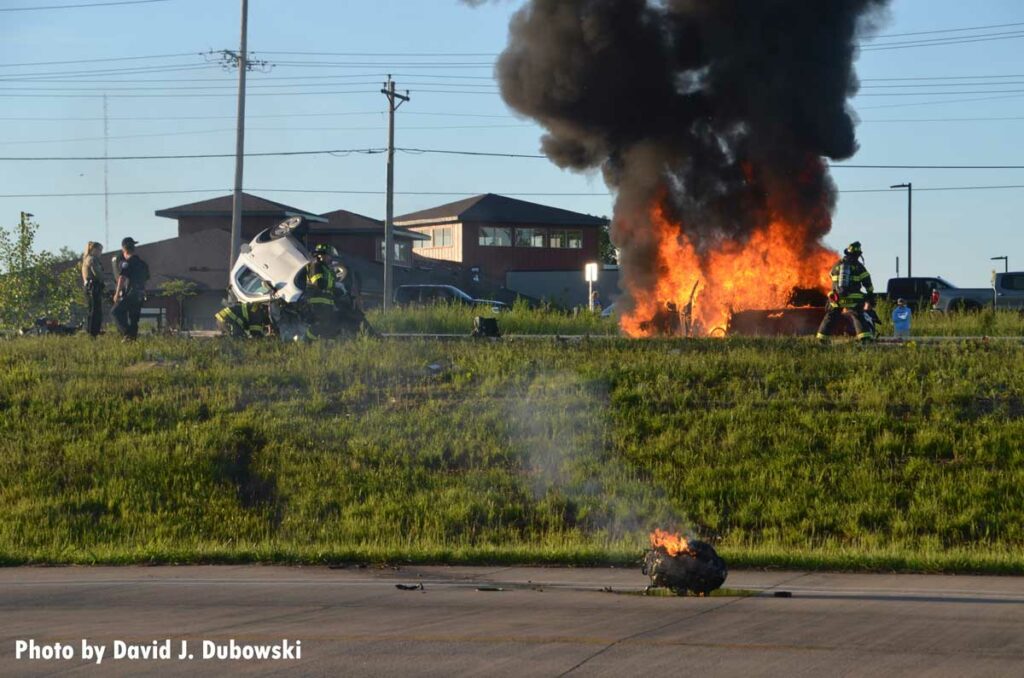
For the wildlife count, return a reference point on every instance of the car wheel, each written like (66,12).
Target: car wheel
(286,227)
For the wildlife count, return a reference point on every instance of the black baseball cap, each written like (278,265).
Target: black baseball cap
(128,242)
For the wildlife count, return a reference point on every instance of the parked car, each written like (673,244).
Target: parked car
(1007,291)
(412,295)
(919,293)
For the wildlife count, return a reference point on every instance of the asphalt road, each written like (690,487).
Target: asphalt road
(544,622)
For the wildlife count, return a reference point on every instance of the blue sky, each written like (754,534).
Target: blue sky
(955,231)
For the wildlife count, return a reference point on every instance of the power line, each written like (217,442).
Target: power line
(134,70)
(187,95)
(93,61)
(91,4)
(205,156)
(277,115)
(162,88)
(911,45)
(224,130)
(440,193)
(940,101)
(949,30)
(1003,83)
(385,54)
(929,167)
(945,77)
(99,94)
(943,119)
(384,65)
(952,38)
(938,94)
(416,151)
(438,151)
(937,188)
(47,78)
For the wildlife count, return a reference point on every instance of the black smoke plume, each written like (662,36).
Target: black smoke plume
(724,111)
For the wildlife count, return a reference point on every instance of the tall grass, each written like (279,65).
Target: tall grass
(519,319)
(780,451)
(458,319)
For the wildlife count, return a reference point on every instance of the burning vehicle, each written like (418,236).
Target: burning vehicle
(713,123)
(268,282)
(683,565)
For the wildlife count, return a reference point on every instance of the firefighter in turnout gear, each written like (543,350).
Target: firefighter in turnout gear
(244,320)
(320,282)
(852,293)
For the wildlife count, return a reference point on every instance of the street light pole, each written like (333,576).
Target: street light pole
(910,220)
(1006,262)
(590,274)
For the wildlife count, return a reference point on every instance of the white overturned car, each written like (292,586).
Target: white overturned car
(270,273)
(272,266)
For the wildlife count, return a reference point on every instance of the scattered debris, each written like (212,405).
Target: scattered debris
(683,565)
(410,587)
(485,328)
(47,326)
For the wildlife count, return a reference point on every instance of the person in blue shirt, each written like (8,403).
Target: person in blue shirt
(901,316)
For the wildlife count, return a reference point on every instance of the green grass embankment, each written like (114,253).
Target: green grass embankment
(444,319)
(785,453)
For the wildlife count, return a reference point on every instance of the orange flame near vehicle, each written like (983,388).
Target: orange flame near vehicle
(671,544)
(760,272)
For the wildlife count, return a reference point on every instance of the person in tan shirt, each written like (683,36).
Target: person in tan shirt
(92,281)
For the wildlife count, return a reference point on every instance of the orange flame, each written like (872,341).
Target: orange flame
(707,287)
(671,544)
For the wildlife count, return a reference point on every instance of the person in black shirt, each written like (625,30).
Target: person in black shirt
(131,291)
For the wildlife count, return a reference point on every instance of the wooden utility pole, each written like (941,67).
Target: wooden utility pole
(236,204)
(395,101)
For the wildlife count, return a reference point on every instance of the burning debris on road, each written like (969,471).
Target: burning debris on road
(683,565)
(712,122)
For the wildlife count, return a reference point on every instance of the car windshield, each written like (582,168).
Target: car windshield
(250,283)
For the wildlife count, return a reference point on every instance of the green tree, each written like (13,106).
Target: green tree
(608,252)
(179,290)
(35,284)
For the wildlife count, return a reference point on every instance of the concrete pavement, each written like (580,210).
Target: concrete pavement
(544,622)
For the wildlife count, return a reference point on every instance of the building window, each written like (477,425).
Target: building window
(495,236)
(443,237)
(403,251)
(531,237)
(423,244)
(567,240)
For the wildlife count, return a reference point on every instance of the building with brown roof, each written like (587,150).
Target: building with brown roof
(497,234)
(257,214)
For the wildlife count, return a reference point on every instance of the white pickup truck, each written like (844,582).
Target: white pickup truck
(1007,291)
